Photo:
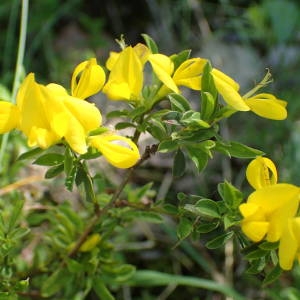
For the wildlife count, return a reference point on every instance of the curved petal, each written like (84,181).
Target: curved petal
(261,172)
(255,230)
(122,156)
(267,107)
(127,72)
(189,73)
(88,78)
(41,137)
(273,197)
(228,89)
(86,113)
(288,246)
(163,68)
(9,116)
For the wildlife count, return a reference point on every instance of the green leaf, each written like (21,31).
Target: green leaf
(256,254)
(184,228)
(204,227)
(208,207)
(181,57)
(150,43)
(179,103)
(272,275)
(54,171)
(198,156)
(55,282)
(101,290)
(269,245)
(219,241)
(30,153)
(256,266)
(208,105)
(117,114)
(15,215)
(230,194)
(70,179)
(146,216)
(238,150)
(69,161)
(178,164)
(82,177)
(157,129)
(123,125)
(18,233)
(167,146)
(49,159)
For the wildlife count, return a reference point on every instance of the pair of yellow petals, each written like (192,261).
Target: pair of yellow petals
(264,105)
(48,114)
(270,211)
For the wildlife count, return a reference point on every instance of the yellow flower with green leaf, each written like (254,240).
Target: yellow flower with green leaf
(264,104)
(270,211)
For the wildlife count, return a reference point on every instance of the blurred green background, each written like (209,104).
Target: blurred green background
(242,38)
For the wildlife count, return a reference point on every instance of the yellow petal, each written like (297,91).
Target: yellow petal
(113,57)
(255,230)
(251,211)
(267,106)
(30,101)
(288,245)
(9,116)
(261,172)
(163,68)
(189,73)
(41,137)
(273,197)
(127,72)
(123,155)
(228,89)
(88,78)
(142,52)
(76,136)
(86,113)
(278,219)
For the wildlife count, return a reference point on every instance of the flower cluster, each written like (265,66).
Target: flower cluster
(271,211)
(47,115)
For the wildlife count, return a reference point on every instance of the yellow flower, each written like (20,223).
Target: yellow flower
(125,80)
(261,172)
(47,114)
(119,151)
(267,211)
(71,117)
(264,104)
(88,78)
(289,246)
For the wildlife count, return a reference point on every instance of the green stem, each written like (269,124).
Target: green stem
(18,69)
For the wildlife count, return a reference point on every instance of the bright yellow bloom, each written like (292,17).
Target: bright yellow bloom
(119,151)
(125,80)
(265,105)
(88,78)
(71,117)
(267,211)
(270,211)
(261,172)
(289,246)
